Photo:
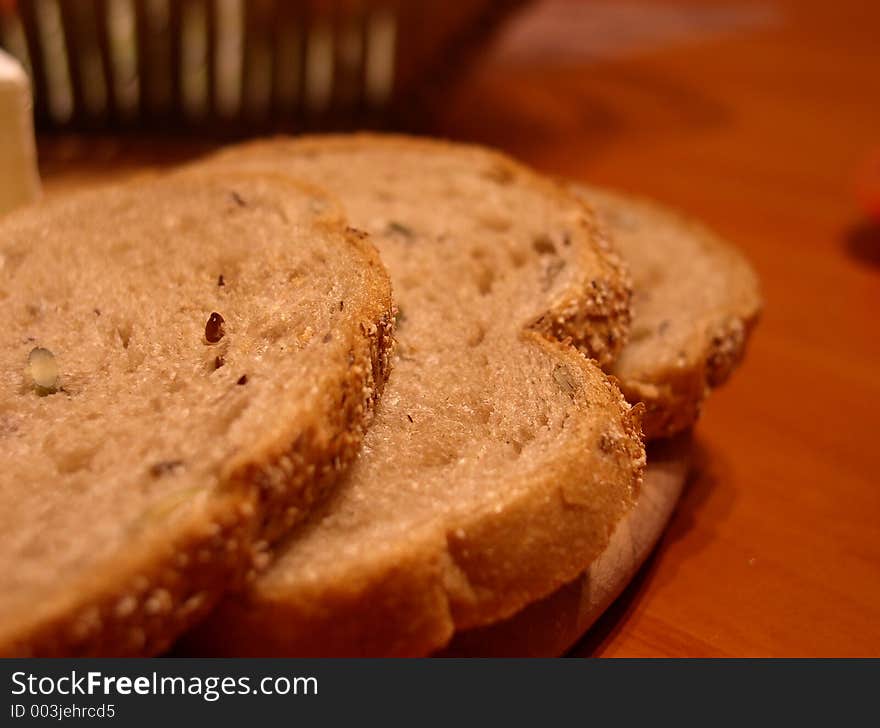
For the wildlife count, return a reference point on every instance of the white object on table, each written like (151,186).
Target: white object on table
(19,178)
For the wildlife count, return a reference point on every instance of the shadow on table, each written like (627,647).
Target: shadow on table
(707,500)
(862,242)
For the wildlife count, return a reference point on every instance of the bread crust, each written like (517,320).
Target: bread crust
(145,596)
(551,626)
(410,603)
(686,276)
(481,566)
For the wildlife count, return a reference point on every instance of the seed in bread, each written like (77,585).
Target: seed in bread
(500,458)
(43,370)
(138,476)
(695,303)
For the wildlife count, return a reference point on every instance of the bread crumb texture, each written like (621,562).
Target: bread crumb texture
(501,457)
(169,450)
(696,301)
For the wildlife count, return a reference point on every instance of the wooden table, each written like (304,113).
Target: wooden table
(760,118)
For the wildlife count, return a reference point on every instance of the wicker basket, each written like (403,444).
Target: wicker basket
(226,65)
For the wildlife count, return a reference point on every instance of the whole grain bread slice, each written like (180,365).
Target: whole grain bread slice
(186,364)
(552,625)
(696,300)
(501,457)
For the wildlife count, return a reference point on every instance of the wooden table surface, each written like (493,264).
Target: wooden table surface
(761,118)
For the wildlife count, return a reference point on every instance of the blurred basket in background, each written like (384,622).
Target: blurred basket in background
(234,65)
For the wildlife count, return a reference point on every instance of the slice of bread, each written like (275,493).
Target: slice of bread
(501,458)
(186,363)
(551,626)
(696,301)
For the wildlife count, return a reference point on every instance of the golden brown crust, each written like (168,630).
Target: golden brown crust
(697,301)
(460,565)
(158,586)
(597,316)
(399,608)
(479,570)
(550,626)
(482,569)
